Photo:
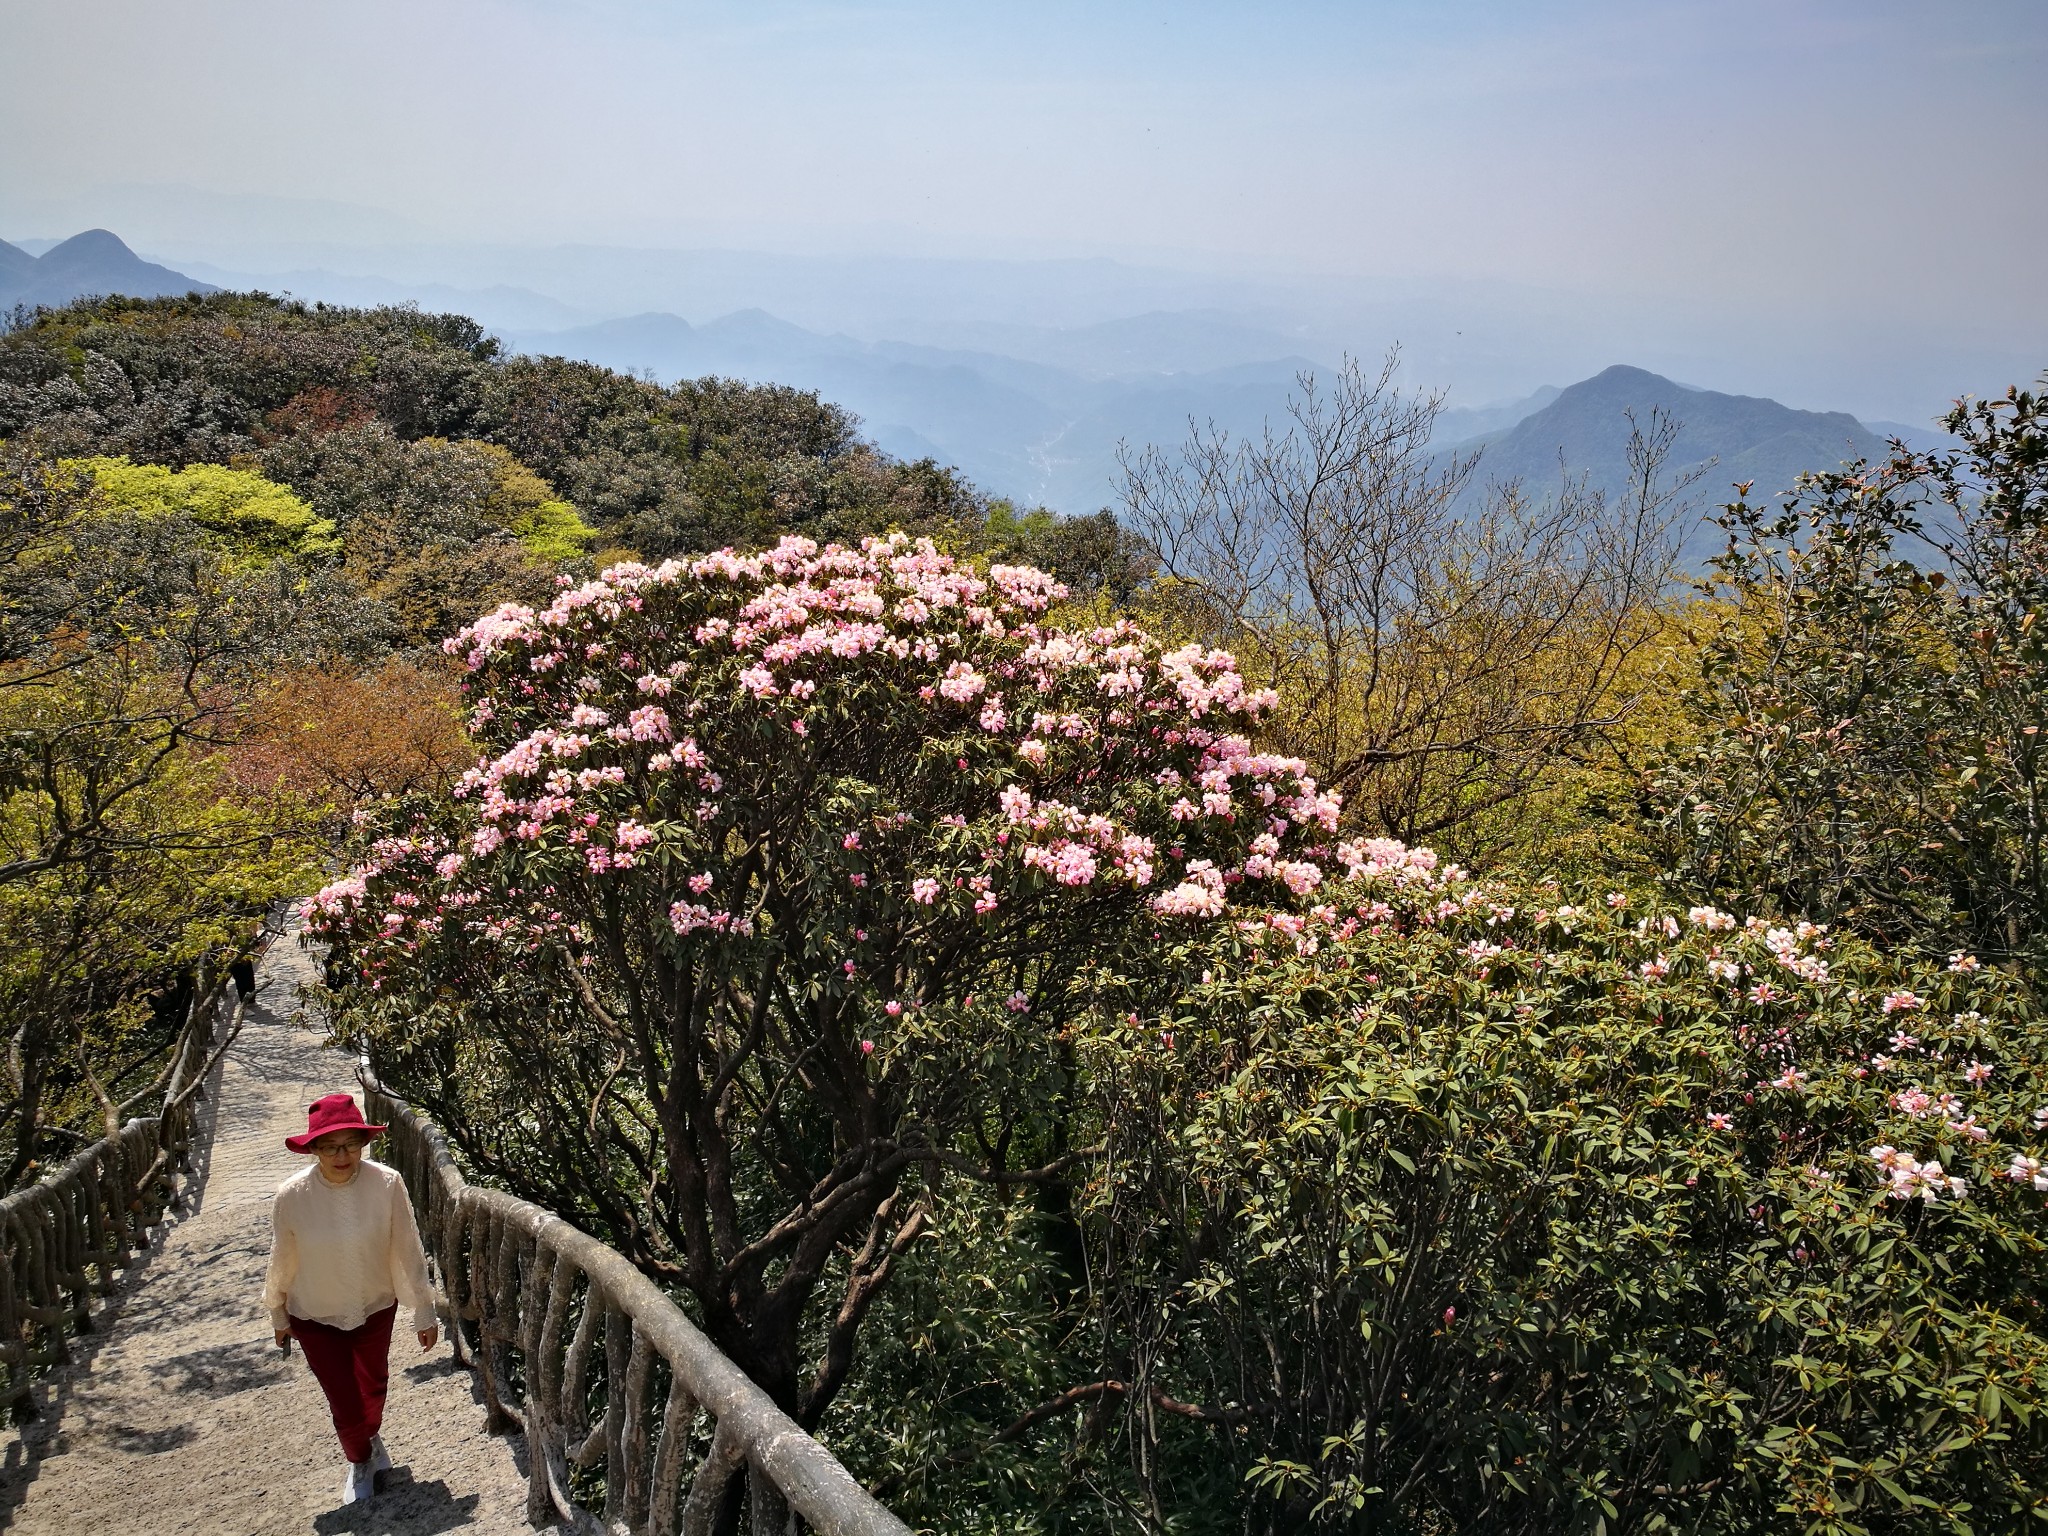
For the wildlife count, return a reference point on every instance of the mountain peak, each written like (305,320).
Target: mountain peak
(92,248)
(1625,375)
(1586,429)
(95,262)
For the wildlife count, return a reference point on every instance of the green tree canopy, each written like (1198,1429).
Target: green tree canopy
(253,518)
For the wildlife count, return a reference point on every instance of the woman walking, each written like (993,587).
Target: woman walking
(344,1251)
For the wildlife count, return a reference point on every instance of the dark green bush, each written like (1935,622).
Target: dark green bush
(1500,1216)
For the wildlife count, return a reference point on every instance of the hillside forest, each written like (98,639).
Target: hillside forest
(1348,993)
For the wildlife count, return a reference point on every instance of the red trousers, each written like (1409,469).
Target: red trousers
(353,1367)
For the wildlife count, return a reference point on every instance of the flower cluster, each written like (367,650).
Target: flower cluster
(860,757)
(1908,1177)
(770,637)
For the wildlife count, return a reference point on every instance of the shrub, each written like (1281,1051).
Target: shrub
(251,518)
(765,909)
(1867,726)
(1485,1211)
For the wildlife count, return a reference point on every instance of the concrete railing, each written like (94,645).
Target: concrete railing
(678,1421)
(65,1240)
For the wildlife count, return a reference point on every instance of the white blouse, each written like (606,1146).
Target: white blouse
(341,1252)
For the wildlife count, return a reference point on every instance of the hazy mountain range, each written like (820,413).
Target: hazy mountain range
(1036,410)
(95,262)
(1731,439)
(1043,433)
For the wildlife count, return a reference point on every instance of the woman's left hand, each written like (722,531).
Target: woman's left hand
(428,1337)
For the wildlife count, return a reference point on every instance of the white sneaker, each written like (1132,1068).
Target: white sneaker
(360,1483)
(380,1459)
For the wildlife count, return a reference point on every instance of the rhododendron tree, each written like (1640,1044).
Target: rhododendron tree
(766,906)
(1448,1205)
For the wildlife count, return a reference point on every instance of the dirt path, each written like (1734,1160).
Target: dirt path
(181,1417)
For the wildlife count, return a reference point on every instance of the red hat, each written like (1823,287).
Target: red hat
(335,1112)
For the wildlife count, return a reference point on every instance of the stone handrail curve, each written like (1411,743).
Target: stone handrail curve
(532,1283)
(65,1239)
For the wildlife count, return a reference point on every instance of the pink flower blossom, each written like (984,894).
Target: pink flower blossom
(1073,865)
(2027,1170)
(962,682)
(1909,1177)
(649,723)
(1299,875)
(688,917)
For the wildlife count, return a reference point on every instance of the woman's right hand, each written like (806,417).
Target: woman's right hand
(284,1339)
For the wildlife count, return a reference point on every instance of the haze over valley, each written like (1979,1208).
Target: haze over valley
(1026,376)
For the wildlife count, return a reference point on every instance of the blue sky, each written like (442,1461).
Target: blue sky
(1849,158)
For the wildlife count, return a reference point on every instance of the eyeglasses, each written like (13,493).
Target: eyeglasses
(337,1151)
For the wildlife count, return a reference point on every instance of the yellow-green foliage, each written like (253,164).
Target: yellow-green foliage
(254,518)
(554,531)
(526,507)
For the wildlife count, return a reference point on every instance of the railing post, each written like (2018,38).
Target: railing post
(618,1355)
(678,1417)
(714,1473)
(485,1241)
(768,1512)
(639,1376)
(538,1281)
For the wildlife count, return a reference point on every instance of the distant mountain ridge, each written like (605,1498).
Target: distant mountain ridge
(96,262)
(1585,431)
(1032,430)
(1038,412)
(1036,431)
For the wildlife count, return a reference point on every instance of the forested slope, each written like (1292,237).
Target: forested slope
(234,530)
